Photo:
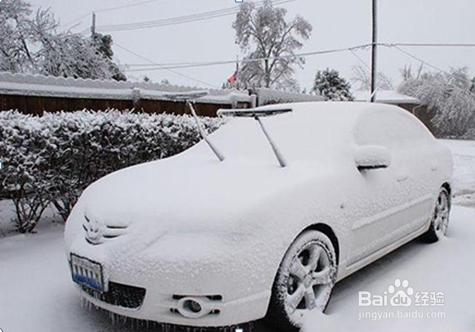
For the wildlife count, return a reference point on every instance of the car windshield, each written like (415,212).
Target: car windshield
(258,114)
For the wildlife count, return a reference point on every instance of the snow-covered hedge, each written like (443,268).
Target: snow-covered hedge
(53,158)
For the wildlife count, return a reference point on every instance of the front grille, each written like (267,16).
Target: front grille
(120,295)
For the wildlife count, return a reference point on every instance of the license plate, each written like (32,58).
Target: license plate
(87,273)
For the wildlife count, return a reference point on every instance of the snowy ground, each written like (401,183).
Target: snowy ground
(36,293)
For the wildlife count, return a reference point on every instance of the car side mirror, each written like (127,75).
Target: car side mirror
(369,157)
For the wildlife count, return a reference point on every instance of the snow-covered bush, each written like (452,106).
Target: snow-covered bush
(53,158)
(449,96)
(24,175)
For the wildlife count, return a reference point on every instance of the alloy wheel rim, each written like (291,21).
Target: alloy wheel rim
(310,280)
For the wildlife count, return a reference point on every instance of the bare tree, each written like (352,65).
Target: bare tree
(265,33)
(362,77)
(407,73)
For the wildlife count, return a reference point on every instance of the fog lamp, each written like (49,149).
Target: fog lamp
(192,306)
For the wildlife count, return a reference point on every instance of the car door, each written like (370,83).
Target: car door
(394,200)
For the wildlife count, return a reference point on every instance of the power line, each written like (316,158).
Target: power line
(418,59)
(351,49)
(182,65)
(169,70)
(399,46)
(429,44)
(203,16)
(360,59)
(125,6)
(154,66)
(78,20)
(166,66)
(415,57)
(180,19)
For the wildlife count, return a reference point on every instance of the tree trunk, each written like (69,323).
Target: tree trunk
(267,73)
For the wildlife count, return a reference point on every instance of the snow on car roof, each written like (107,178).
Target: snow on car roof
(387,96)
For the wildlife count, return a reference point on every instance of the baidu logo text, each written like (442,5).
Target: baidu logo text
(400,294)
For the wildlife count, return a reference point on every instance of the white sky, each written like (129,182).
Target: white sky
(336,23)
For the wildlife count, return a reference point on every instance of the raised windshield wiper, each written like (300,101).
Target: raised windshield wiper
(188,98)
(257,114)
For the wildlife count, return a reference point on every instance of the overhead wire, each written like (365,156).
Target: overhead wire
(169,70)
(430,44)
(70,24)
(130,5)
(165,66)
(153,66)
(366,65)
(202,16)
(409,54)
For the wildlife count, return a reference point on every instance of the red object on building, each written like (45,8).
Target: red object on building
(234,77)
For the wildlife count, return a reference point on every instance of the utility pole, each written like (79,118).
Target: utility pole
(93,26)
(237,72)
(374,52)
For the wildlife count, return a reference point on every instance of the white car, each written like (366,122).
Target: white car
(296,201)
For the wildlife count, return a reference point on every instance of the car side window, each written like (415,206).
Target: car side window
(390,128)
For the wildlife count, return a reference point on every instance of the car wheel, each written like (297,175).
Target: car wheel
(304,281)
(440,219)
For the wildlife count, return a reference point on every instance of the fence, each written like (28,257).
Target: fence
(34,94)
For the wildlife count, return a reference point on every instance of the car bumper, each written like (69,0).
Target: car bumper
(164,308)
(232,286)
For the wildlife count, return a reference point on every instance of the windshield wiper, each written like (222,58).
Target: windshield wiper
(203,133)
(188,98)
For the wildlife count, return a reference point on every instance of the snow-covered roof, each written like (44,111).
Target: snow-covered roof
(387,96)
(49,86)
(270,96)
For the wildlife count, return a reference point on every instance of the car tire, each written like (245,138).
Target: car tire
(440,219)
(304,281)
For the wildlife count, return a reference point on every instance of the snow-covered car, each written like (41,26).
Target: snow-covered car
(199,241)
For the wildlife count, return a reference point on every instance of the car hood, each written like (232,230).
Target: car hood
(189,194)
